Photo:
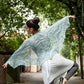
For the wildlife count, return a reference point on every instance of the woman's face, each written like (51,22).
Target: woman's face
(29,30)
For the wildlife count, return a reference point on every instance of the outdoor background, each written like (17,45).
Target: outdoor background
(15,13)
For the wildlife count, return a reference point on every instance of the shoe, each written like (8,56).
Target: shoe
(61,80)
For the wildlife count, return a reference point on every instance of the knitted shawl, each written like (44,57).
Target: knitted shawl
(42,46)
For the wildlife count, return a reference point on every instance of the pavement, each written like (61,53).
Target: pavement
(36,78)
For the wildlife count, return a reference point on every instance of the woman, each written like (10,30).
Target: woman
(43,49)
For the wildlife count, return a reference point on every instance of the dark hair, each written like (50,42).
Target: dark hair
(33,23)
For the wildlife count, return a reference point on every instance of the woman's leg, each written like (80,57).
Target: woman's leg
(70,72)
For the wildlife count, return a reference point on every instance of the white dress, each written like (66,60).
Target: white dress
(53,69)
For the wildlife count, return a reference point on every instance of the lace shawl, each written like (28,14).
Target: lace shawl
(41,46)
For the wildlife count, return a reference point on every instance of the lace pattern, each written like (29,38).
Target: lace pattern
(41,46)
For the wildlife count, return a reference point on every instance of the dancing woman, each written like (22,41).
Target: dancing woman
(43,49)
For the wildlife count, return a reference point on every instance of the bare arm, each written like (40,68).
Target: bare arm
(72,16)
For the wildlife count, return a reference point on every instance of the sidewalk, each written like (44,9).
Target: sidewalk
(76,80)
(36,78)
(31,78)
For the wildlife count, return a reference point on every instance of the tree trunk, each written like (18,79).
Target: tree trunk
(81,59)
(2,70)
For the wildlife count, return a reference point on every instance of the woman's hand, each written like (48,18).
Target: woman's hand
(72,16)
(5,65)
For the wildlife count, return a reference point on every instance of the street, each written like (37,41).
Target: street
(36,78)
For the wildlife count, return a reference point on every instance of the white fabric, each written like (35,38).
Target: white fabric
(52,69)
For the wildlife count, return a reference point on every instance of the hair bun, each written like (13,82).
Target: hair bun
(36,20)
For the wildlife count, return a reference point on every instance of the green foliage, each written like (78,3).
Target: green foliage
(12,43)
(66,51)
(2,49)
(73,51)
(53,10)
(9,17)
(15,41)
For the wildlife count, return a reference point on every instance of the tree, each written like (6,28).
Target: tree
(75,7)
(11,20)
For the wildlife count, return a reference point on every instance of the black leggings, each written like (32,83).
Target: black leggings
(71,71)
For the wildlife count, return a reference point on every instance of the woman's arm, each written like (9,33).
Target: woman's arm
(72,16)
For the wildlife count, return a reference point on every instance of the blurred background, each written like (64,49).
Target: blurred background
(13,16)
